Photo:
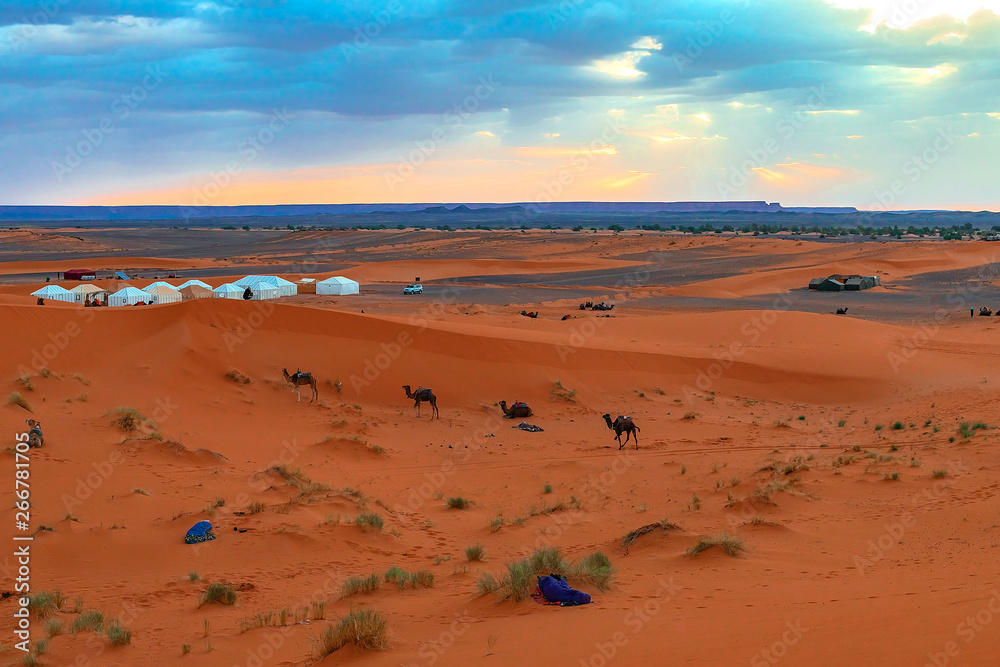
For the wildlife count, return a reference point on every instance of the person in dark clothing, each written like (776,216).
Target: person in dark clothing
(41,301)
(247,294)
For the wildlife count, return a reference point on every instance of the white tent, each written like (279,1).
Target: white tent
(337,285)
(262,291)
(158,283)
(228,291)
(284,287)
(88,289)
(163,294)
(249,281)
(55,293)
(128,296)
(195,282)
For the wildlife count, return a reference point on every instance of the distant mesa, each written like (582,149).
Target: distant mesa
(69,213)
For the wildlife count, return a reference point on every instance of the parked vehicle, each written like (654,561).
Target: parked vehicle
(413,289)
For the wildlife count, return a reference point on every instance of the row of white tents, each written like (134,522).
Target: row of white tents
(261,288)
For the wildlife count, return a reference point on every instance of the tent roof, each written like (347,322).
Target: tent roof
(229,287)
(159,283)
(49,290)
(306,281)
(195,282)
(195,289)
(160,289)
(277,280)
(87,288)
(338,280)
(131,291)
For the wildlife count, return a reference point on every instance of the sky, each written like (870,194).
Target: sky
(868,103)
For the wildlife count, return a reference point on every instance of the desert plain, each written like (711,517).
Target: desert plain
(849,461)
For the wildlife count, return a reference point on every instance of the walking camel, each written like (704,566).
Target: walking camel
(515,411)
(624,425)
(422,394)
(299,380)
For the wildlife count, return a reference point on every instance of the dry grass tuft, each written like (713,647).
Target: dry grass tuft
(16,399)
(733,546)
(662,525)
(234,375)
(366,630)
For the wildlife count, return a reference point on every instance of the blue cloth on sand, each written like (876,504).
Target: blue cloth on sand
(199,532)
(557,590)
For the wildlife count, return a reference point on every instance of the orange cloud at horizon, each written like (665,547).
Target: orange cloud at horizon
(588,176)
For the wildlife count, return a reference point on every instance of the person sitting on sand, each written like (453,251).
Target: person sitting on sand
(247,294)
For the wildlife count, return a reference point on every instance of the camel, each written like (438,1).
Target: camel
(35,438)
(516,411)
(300,379)
(624,425)
(419,396)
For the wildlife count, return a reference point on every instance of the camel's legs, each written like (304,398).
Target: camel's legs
(298,397)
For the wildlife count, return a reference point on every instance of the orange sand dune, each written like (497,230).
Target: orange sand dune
(760,425)
(897,260)
(106,264)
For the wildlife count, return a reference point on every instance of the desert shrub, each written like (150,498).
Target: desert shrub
(46,603)
(366,630)
(16,399)
(119,635)
(474,552)
(88,620)
(219,593)
(732,545)
(356,584)
(458,503)
(369,520)
(129,419)
(234,375)
(255,507)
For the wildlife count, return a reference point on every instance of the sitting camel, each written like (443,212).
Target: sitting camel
(516,411)
(419,396)
(300,379)
(842,311)
(35,438)
(624,425)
